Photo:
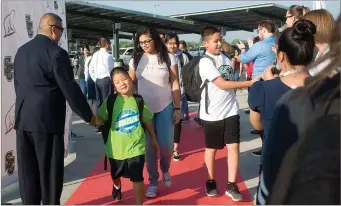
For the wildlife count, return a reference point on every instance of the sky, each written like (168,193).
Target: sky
(167,8)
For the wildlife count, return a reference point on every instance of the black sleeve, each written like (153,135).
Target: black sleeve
(62,70)
(14,73)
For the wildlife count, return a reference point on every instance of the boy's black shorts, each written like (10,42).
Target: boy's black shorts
(222,132)
(131,168)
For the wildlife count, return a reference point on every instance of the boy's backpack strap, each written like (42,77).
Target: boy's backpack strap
(210,58)
(205,85)
(206,95)
(110,105)
(140,103)
(106,128)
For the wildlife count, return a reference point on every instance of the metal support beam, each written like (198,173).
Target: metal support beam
(136,22)
(97,32)
(229,25)
(116,27)
(267,15)
(223,31)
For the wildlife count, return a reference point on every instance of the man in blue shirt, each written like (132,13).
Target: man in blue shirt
(261,52)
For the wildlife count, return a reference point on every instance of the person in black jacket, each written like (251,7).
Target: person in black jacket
(43,82)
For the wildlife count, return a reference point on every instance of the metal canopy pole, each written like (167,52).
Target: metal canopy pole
(116,27)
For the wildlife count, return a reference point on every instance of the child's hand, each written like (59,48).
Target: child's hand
(155,144)
(100,120)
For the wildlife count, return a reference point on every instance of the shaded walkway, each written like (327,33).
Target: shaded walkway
(189,177)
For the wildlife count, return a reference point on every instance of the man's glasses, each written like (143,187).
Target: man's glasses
(147,42)
(58,27)
(259,30)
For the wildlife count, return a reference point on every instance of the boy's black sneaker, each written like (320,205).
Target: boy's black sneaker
(211,188)
(233,192)
(116,193)
(197,120)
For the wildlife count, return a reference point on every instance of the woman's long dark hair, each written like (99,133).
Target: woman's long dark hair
(160,47)
(298,42)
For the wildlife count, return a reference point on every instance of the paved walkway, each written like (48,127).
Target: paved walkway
(86,182)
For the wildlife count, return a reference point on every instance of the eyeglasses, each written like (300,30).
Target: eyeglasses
(259,30)
(58,27)
(147,42)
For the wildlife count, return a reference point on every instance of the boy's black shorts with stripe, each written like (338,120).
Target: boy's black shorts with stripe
(222,132)
(131,168)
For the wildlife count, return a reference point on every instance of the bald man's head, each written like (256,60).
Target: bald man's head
(51,25)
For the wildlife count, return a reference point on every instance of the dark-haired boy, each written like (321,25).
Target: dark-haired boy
(221,121)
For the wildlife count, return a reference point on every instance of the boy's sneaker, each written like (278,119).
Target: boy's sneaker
(233,192)
(151,191)
(167,179)
(116,193)
(211,188)
(176,156)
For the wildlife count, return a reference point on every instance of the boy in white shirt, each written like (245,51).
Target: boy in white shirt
(221,120)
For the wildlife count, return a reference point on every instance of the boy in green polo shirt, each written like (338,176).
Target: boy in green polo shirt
(126,142)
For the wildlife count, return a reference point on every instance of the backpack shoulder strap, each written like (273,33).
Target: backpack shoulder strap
(110,105)
(181,58)
(140,104)
(137,61)
(168,61)
(106,128)
(210,58)
(205,85)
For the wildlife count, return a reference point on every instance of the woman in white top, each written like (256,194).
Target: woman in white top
(156,73)
(324,23)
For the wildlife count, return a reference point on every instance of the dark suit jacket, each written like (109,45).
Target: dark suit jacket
(43,81)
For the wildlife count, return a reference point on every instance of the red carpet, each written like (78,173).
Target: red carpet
(188,177)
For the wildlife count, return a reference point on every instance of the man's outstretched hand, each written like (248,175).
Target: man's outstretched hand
(96,120)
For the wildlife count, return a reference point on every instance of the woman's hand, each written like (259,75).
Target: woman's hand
(275,48)
(268,75)
(176,116)
(155,144)
(253,80)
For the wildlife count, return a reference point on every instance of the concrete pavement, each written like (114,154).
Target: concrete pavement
(88,149)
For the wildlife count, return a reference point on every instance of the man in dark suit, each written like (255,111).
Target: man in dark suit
(43,81)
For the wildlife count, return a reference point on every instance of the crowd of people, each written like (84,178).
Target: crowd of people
(293,79)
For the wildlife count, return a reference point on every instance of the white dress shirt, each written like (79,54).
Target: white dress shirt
(101,64)
(86,67)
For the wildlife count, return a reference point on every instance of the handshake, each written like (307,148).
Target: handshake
(97,121)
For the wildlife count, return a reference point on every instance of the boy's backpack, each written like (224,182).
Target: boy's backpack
(192,82)
(310,170)
(110,106)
